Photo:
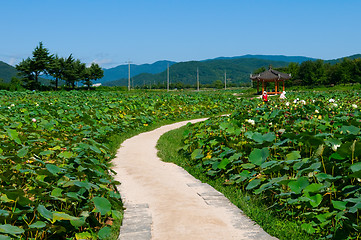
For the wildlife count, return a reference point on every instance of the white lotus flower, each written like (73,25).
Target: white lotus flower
(354,105)
(335,146)
(287,104)
(250,121)
(316,111)
(331,100)
(335,104)
(303,102)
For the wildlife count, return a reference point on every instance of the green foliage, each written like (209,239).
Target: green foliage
(319,72)
(32,68)
(68,69)
(301,154)
(56,180)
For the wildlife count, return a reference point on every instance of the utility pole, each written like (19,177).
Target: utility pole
(129,75)
(197,80)
(168,78)
(225,80)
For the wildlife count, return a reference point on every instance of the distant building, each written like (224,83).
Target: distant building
(96,85)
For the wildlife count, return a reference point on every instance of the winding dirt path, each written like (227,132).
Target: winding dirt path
(164,202)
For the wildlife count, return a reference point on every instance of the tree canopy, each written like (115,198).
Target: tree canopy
(69,70)
(319,72)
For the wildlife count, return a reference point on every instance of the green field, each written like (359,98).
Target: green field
(299,157)
(55,152)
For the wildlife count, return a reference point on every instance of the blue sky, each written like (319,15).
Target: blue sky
(111,32)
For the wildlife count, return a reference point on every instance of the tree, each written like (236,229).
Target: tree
(56,69)
(26,71)
(15,84)
(32,68)
(313,73)
(218,84)
(94,72)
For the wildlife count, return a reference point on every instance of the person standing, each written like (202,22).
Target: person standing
(283,95)
(265,97)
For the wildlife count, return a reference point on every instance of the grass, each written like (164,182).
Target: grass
(253,206)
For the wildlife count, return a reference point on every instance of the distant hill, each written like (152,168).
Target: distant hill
(282,58)
(121,71)
(7,72)
(238,71)
(334,61)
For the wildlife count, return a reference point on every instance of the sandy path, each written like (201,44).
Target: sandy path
(164,202)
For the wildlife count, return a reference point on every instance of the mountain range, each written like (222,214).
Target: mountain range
(7,72)
(237,70)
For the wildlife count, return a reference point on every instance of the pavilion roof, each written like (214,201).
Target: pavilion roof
(270,75)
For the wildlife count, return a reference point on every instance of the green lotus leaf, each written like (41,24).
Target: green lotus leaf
(356,167)
(294,155)
(308,228)
(298,185)
(340,205)
(22,152)
(84,235)
(66,154)
(350,130)
(248,165)
(58,216)
(315,200)
(13,135)
(56,192)
(104,232)
(4,237)
(102,205)
(313,187)
(38,224)
(10,229)
(222,165)
(95,148)
(46,153)
(53,169)
(45,212)
(259,156)
(254,183)
(197,154)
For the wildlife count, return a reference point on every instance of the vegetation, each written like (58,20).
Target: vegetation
(326,73)
(67,69)
(55,152)
(253,206)
(301,156)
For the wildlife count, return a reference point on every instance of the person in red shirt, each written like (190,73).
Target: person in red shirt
(264,96)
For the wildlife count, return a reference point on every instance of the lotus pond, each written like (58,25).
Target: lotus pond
(55,175)
(301,155)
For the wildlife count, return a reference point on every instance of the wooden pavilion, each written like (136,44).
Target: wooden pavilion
(271,75)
